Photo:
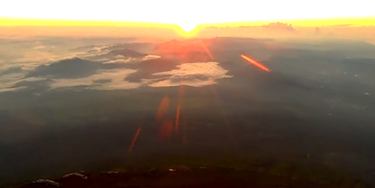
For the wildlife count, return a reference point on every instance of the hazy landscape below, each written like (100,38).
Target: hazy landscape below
(104,103)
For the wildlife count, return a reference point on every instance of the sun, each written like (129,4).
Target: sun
(187,27)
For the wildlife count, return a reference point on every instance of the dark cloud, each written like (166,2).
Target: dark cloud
(102,81)
(11,70)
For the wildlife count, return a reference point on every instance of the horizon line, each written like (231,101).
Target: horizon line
(17,21)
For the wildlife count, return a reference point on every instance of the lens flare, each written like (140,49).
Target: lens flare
(254,62)
(134,139)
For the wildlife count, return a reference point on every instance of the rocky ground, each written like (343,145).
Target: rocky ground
(180,176)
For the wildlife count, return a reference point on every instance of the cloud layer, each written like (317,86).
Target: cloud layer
(107,67)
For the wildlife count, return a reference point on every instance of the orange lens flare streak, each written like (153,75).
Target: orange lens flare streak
(163,107)
(207,51)
(255,63)
(177,118)
(134,139)
(165,130)
(181,92)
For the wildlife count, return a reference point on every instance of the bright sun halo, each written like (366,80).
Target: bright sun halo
(187,26)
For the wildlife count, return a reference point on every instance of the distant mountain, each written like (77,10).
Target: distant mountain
(119,53)
(187,50)
(67,68)
(175,46)
(211,49)
(74,68)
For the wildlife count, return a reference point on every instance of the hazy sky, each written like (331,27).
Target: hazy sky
(185,13)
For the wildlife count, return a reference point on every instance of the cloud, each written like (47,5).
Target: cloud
(17,82)
(8,80)
(151,57)
(105,68)
(105,80)
(192,74)
(39,47)
(39,84)
(278,26)
(75,72)
(149,67)
(181,78)
(36,56)
(117,54)
(53,69)
(88,48)
(11,89)
(122,59)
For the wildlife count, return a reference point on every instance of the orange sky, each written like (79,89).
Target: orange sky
(186,14)
(7,21)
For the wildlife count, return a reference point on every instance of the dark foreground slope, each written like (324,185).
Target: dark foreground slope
(310,118)
(176,177)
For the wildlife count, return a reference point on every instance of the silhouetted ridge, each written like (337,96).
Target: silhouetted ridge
(67,68)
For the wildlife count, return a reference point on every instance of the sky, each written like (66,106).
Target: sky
(186,13)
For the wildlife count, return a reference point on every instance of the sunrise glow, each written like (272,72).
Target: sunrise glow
(187,15)
(187,27)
